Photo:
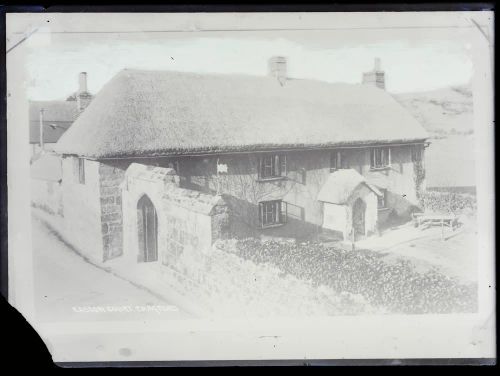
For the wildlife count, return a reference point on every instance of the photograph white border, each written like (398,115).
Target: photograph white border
(339,337)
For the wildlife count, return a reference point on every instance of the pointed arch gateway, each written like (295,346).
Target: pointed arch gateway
(358,218)
(147,229)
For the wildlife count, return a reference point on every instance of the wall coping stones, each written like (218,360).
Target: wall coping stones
(189,199)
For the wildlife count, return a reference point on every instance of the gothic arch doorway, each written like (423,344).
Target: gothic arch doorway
(147,228)
(358,218)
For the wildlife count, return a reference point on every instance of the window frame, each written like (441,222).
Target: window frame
(385,158)
(276,209)
(174,165)
(272,167)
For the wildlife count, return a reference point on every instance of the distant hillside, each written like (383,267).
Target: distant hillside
(447,115)
(444,111)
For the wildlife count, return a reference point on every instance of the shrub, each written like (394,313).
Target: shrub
(448,202)
(396,287)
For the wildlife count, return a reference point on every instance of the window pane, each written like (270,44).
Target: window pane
(268,167)
(283,165)
(381,157)
(272,212)
(272,166)
(333,160)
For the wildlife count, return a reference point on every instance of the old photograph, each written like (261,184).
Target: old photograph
(190,168)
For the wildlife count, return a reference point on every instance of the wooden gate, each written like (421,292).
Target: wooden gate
(147,227)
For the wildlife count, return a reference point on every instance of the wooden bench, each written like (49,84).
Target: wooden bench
(427,220)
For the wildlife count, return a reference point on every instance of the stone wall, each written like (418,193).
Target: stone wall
(229,286)
(110,196)
(188,221)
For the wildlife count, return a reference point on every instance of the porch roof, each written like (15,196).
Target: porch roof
(341,184)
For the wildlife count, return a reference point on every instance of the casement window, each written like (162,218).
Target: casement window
(335,160)
(272,166)
(380,158)
(272,213)
(382,200)
(79,170)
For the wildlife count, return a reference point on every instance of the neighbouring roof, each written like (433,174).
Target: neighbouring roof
(160,112)
(47,167)
(57,118)
(341,184)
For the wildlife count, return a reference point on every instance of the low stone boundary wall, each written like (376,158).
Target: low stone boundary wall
(228,285)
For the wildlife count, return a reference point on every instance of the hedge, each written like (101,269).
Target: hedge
(396,287)
(448,202)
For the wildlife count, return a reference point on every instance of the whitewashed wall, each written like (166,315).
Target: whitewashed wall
(339,217)
(82,208)
(47,195)
(335,218)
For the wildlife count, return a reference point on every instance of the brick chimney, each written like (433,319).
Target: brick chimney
(83,97)
(375,77)
(277,68)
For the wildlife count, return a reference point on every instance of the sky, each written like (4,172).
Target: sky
(414,60)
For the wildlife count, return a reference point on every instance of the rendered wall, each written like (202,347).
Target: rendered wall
(307,171)
(47,195)
(82,208)
(339,217)
(335,218)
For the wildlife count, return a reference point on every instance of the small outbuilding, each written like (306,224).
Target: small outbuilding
(349,204)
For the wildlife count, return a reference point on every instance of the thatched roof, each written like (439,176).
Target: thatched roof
(57,118)
(341,184)
(154,113)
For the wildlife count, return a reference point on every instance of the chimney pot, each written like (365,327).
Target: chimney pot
(278,68)
(83,97)
(376,77)
(82,80)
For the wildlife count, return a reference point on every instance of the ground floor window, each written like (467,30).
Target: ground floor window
(272,213)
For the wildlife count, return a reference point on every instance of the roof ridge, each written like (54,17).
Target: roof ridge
(239,74)
(142,112)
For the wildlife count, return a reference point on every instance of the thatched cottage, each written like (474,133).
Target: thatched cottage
(164,160)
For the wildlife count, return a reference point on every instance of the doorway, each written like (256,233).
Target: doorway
(358,219)
(147,227)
